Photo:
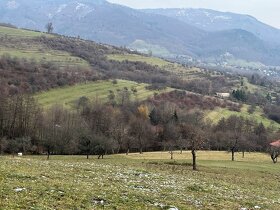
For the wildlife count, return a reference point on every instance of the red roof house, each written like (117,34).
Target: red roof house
(275,143)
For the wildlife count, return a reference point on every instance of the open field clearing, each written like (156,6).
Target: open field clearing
(67,96)
(148,181)
(61,59)
(21,33)
(133,57)
(258,116)
(21,45)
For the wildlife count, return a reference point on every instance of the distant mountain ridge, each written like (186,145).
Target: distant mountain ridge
(157,30)
(211,20)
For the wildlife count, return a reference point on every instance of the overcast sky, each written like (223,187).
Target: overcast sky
(267,11)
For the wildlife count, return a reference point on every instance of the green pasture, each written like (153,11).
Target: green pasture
(134,181)
(98,90)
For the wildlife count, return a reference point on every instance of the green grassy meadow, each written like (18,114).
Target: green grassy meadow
(61,59)
(218,113)
(147,181)
(67,96)
(20,45)
(20,33)
(133,57)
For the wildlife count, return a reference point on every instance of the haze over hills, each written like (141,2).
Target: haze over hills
(165,34)
(211,20)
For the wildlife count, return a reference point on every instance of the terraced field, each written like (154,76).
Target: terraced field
(177,69)
(149,181)
(67,96)
(20,33)
(18,43)
(133,57)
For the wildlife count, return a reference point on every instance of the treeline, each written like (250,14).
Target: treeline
(97,128)
(254,98)
(271,107)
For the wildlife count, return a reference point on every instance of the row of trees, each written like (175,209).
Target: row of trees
(97,128)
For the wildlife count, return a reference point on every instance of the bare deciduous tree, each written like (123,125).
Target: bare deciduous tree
(194,136)
(49,27)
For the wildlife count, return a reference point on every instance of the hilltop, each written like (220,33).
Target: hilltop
(211,20)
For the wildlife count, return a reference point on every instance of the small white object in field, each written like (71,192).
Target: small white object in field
(173,208)
(243,209)
(19,189)
(20,154)
(99,201)
(257,207)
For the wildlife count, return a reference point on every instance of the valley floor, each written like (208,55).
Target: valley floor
(148,181)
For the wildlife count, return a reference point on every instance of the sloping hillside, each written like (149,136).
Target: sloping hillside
(122,26)
(99,90)
(33,61)
(21,44)
(37,62)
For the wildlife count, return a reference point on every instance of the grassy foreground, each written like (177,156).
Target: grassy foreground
(148,181)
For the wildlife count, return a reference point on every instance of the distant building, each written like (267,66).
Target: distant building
(275,144)
(223,95)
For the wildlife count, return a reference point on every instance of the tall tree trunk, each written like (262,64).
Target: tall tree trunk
(118,149)
(243,154)
(87,156)
(233,149)
(127,151)
(194,159)
(232,154)
(141,150)
(48,157)
(171,155)
(274,157)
